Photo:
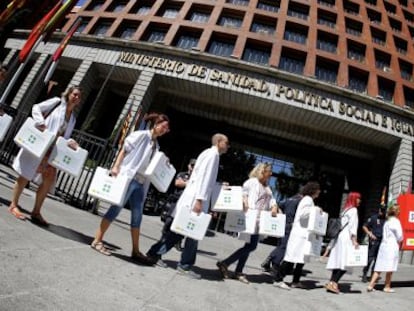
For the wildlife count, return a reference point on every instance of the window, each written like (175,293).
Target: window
(269,5)
(400,45)
(170,13)
(382,61)
(295,33)
(386,89)
(371,2)
(292,61)
(390,8)
(329,3)
(351,8)
(406,70)
(169,9)
(199,16)
(409,97)
(357,80)
(142,7)
(263,26)
(155,32)
(353,27)
(298,10)
(356,51)
(326,42)
(411,31)
(83,25)
(374,16)
(230,21)
(257,54)
(326,70)
(127,29)
(409,17)
(187,40)
(238,2)
(95,5)
(326,18)
(378,36)
(221,45)
(117,6)
(395,25)
(102,27)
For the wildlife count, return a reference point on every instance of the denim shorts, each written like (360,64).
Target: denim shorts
(134,196)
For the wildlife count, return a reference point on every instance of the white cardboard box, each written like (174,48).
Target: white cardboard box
(190,224)
(160,172)
(227,199)
(272,226)
(357,257)
(107,188)
(66,159)
(318,222)
(241,222)
(5,122)
(33,140)
(313,246)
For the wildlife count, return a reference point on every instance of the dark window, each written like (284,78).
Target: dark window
(374,16)
(230,21)
(356,51)
(330,3)
(83,25)
(371,2)
(126,30)
(255,53)
(102,27)
(353,27)
(155,32)
(395,25)
(406,70)
(409,97)
(263,25)
(357,80)
(351,8)
(117,6)
(295,33)
(327,42)
(292,61)
(378,36)
(408,16)
(386,89)
(187,40)
(142,7)
(199,16)
(390,8)
(326,18)
(268,5)
(95,5)
(298,10)
(400,45)
(222,46)
(326,70)
(238,2)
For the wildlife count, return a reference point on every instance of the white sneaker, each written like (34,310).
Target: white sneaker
(281,285)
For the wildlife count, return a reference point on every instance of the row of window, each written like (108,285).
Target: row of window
(267,25)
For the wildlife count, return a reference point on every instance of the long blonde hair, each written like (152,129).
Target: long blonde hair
(258,170)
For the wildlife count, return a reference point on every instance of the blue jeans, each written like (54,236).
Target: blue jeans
(242,254)
(167,241)
(135,197)
(189,253)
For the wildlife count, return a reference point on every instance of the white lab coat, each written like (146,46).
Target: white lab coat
(202,180)
(388,254)
(337,257)
(25,164)
(295,249)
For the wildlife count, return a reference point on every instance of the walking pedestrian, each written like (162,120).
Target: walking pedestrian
(57,115)
(347,238)
(197,193)
(170,238)
(388,254)
(373,228)
(257,195)
(295,250)
(134,157)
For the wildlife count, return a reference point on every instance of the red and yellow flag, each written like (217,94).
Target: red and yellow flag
(57,18)
(37,31)
(383,196)
(125,127)
(65,41)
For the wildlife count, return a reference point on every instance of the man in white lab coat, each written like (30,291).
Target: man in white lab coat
(196,195)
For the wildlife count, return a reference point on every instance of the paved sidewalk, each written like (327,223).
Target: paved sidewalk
(55,269)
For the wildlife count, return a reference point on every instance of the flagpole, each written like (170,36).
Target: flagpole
(18,72)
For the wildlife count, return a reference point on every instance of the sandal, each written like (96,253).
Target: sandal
(100,248)
(39,220)
(15,211)
(330,287)
(370,289)
(242,278)
(388,290)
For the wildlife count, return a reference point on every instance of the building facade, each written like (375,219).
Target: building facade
(320,88)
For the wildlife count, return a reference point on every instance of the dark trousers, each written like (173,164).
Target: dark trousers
(284,269)
(167,240)
(337,274)
(242,254)
(277,255)
(372,256)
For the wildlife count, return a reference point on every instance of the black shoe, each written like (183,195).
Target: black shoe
(364,279)
(142,259)
(223,269)
(178,247)
(266,267)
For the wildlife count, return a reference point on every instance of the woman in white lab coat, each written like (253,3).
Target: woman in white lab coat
(258,196)
(388,254)
(299,236)
(57,115)
(347,238)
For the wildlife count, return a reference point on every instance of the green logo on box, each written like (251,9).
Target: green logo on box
(227,199)
(274,226)
(106,188)
(67,159)
(190,225)
(31,139)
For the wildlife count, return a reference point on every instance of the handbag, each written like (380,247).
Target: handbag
(30,138)
(335,227)
(190,224)
(5,122)
(66,159)
(108,188)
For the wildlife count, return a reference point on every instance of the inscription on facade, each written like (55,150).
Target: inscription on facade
(262,87)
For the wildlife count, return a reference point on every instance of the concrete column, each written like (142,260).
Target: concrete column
(402,168)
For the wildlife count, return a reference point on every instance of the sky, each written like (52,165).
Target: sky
(80,2)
